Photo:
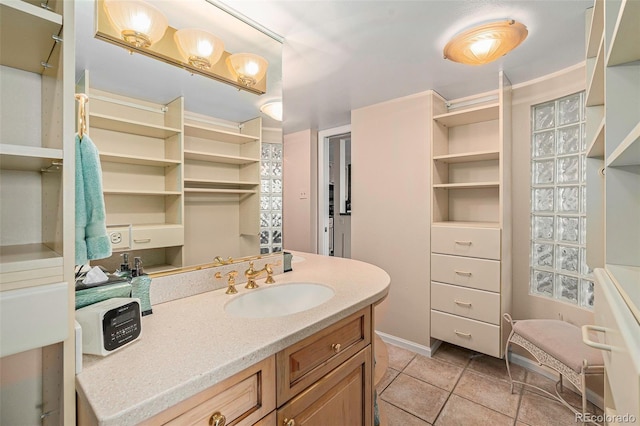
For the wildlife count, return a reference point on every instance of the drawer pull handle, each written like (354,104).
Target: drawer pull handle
(461,334)
(289,422)
(143,240)
(336,347)
(585,337)
(457,302)
(464,273)
(463,243)
(217,419)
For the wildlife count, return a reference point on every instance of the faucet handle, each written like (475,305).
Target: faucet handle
(231,282)
(269,270)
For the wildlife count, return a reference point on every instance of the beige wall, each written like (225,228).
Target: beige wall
(552,87)
(299,210)
(390,217)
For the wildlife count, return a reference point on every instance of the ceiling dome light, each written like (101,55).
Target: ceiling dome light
(138,22)
(199,48)
(485,43)
(248,67)
(273,110)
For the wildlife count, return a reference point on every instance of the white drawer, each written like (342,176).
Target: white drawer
(466,302)
(622,333)
(147,237)
(466,241)
(470,272)
(468,333)
(120,237)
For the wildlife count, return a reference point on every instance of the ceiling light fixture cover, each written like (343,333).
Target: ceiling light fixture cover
(248,67)
(485,43)
(273,110)
(138,22)
(199,48)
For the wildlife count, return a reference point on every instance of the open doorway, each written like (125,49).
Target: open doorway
(334,192)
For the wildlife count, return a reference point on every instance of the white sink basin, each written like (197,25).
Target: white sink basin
(278,301)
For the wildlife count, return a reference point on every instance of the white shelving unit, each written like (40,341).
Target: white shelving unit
(470,230)
(36,207)
(222,187)
(613,184)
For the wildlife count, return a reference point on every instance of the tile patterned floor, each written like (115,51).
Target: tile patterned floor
(461,387)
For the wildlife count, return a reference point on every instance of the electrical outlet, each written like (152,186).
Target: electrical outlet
(115,237)
(304,195)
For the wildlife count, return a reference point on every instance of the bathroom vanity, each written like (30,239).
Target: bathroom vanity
(195,362)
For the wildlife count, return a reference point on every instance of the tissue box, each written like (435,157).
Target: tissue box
(93,295)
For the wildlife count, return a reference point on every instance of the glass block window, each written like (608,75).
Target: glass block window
(271,198)
(558,204)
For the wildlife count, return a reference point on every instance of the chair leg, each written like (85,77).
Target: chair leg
(506,360)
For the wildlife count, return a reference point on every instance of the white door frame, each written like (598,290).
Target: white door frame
(323,185)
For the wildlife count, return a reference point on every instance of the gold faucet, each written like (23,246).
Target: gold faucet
(231,281)
(252,274)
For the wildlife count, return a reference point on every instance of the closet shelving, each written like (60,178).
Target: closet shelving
(141,156)
(222,180)
(470,232)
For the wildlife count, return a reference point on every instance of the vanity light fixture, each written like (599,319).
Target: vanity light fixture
(199,48)
(139,23)
(249,68)
(485,43)
(273,110)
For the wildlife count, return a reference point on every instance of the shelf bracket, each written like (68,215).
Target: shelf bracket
(54,167)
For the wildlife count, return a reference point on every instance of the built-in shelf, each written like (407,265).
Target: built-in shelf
(596,29)
(627,281)
(26,35)
(595,90)
(625,46)
(468,157)
(467,185)
(468,224)
(22,257)
(157,269)
(477,114)
(202,182)
(138,192)
(27,158)
(628,152)
(219,191)
(596,146)
(137,160)
(102,121)
(197,131)
(218,158)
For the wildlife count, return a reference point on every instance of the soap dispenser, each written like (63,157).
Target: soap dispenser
(140,286)
(124,271)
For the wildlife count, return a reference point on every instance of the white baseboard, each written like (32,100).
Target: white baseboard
(536,368)
(407,344)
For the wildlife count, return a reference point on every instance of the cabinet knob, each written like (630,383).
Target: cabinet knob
(217,419)
(289,422)
(336,347)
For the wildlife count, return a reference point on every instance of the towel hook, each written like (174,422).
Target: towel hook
(82,118)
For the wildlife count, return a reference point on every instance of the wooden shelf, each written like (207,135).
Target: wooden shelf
(596,29)
(138,192)
(627,281)
(157,269)
(467,185)
(596,146)
(218,158)
(107,122)
(468,224)
(137,160)
(595,90)
(468,157)
(201,182)
(625,47)
(28,256)
(219,191)
(25,34)
(203,132)
(628,152)
(469,116)
(27,158)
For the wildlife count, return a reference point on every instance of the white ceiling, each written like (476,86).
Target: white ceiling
(342,55)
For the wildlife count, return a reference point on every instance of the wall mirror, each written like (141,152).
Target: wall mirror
(192,170)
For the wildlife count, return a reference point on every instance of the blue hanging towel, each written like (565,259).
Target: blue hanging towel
(92,241)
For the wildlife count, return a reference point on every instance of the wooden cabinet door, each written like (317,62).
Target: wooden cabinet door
(342,397)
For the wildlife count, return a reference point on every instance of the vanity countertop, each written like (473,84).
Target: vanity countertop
(190,344)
